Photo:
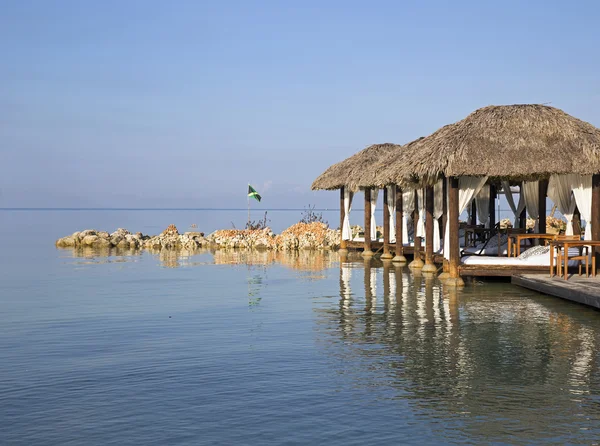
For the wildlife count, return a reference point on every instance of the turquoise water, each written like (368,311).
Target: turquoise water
(265,348)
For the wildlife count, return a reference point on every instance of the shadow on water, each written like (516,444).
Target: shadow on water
(494,361)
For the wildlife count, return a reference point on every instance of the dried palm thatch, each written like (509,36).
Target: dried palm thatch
(357,171)
(508,142)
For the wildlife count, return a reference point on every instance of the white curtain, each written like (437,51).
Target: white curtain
(561,193)
(530,191)
(438,211)
(391,204)
(468,187)
(346,230)
(511,202)
(482,200)
(408,206)
(420,229)
(582,190)
(374,195)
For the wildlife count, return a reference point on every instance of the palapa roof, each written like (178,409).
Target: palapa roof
(509,142)
(357,171)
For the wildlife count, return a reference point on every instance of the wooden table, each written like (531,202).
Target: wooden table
(565,245)
(519,237)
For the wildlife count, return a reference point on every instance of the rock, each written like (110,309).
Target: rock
(66,242)
(171,230)
(103,234)
(115,239)
(101,243)
(89,240)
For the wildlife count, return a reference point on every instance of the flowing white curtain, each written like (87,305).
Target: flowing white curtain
(482,199)
(530,191)
(391,204)
(468,187)
(374,195)
(511,202)
(438,211)
(582,190)
(561,193)
(420,229)
(408,206)
(346,230)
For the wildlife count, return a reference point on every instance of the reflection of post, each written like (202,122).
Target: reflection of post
(429,281)
(368,297)
(386,286)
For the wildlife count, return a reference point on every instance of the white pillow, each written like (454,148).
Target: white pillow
(535,251)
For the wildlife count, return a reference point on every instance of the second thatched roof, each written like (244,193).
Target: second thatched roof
(357,171)
(510,141)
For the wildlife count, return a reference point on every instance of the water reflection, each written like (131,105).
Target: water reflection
(494,361)
(310,262)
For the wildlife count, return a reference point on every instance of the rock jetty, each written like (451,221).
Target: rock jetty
(300,236)
(123,239)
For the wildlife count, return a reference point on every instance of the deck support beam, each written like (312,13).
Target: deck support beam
(417,263)
(399,257)
(596,212)
(454,261)
(429,265)
(367,251)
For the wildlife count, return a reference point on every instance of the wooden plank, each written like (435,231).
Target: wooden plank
(500,270)
(582,290)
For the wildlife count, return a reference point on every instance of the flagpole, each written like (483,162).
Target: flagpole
(248,196)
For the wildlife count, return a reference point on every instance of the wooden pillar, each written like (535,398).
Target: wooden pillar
(577,220)
(596,212)
(386,226)
(367,251)
(343,243)
(417,263)
(454,262)
(399,257)
(492,210)
(542,192)
(429,265)
(445,267)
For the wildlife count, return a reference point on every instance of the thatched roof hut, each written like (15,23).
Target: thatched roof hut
(356,171)
(508,142)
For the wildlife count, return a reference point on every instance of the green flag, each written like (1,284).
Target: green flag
(252,193)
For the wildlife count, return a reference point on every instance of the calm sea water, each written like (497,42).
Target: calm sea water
(264,348)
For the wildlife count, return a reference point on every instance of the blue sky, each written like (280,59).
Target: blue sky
(180,104)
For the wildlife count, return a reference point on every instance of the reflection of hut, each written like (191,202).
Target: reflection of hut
(543,150)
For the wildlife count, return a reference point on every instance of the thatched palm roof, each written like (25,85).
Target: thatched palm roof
(356,171)
(511,142)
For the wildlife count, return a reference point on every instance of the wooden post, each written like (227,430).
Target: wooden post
(542,192)
(596,212)
(445,267)
(523,219)
(492,210)
(367,251)
(386,226)
(454,262)
(429,265)
(343,243)
(399,257)
(417,263)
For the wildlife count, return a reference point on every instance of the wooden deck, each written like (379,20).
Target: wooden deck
(500,270)
(578,289)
